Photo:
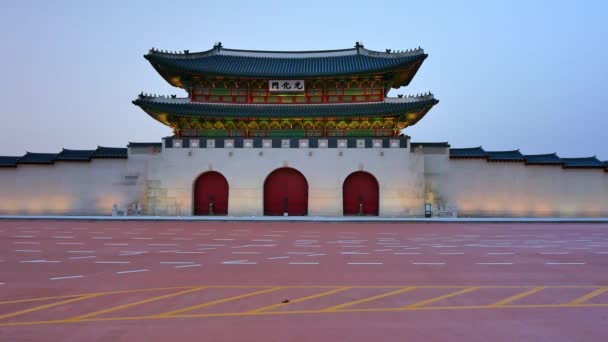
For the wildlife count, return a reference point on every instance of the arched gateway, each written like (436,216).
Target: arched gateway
(211,194)
(286,191)
(360,194)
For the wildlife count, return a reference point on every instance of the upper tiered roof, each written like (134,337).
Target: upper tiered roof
(397,67)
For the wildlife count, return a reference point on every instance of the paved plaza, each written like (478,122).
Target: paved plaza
(301,281)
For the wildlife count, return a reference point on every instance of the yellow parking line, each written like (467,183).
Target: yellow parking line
(436,299)
(297,300)
(582,299)
(128,305)
(518,296)
(93,293)
(46,306)
(368,299)
(219,301)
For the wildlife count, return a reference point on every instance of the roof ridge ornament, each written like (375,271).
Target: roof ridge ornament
(217,46)
(358,45)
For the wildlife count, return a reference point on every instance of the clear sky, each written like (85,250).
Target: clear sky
(511,74)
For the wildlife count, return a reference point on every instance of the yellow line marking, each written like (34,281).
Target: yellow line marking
(94,293)
(46,306)
(128,305)
(582,299)
(368,299)
(297,300)
(518,296)
(436,299)
(218,301)
(292,312)
(290,286)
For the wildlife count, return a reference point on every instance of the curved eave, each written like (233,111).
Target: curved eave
(176,72)
(412,111)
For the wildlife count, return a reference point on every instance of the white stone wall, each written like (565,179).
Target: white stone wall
(164,183)
(399,174)
(71,188)
(480,188)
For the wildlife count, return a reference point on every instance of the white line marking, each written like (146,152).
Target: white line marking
(70,243)
(41,261)
(353,253)
(245,252)
(494,263)
(451,253)
(177,262)
(26,243)
(554,253)
(115,244)
(23,236)
(179,252)
(564,263)
(184,239)
(428,263)
(281,257)
(407,253)
(28,250)
(112,262)
(263,240)
(210,245)
(501,253)
(234,261)
(102,237)
(62,237)
(79,251)
(223,239)
(68,277)
(142,238)
(366,263)
(382,250)
(83,257)
(303,263)
(318,254)
(163,244)
(133,271)
(184,266)
(601,252)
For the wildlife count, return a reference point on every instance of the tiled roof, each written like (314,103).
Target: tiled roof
(543,159)
(37,158)
(279,64)
(74,155)
(7,161)
(472,152)
(145,144)
(589,162)
(110,152)
(183,107)
(429,144)
(505,156)
(65,155)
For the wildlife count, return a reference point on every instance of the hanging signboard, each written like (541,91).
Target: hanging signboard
(286,86)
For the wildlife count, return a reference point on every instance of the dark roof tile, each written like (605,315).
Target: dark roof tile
(8,161)
(505,156)
(145,144)
(543,159)
(74,155)
(110,152)
(588,162)
(429,144)
(37,158)
(472,152)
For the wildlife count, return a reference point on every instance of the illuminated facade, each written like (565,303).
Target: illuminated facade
(297,133)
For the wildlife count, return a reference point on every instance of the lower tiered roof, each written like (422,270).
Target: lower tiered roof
(65,155)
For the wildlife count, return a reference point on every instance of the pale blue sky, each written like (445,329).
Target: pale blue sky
(509,74)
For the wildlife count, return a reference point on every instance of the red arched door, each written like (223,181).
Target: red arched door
(360,194)
(211,194)
(286,191)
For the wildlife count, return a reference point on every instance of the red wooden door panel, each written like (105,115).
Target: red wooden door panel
(286,190)
(211,187)
(360,194)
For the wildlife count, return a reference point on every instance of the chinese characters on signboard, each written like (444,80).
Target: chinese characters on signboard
(285,86)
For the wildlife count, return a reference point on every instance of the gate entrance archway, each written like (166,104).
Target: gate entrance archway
(285,191)
(360,194)
(211,194)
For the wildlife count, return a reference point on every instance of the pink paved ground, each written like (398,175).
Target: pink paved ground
(304,254)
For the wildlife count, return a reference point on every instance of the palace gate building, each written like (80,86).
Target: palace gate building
(297,133)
